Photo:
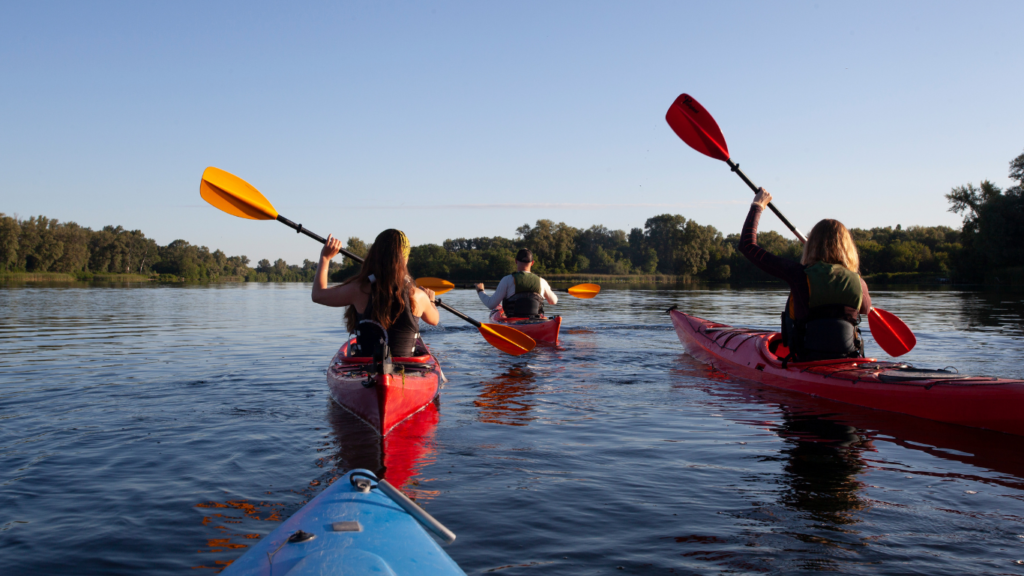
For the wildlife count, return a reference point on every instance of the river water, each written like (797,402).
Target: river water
(161,429)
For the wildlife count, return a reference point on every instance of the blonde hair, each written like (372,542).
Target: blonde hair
(831,242)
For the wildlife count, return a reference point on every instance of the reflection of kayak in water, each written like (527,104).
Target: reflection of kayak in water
(399,456)
(942,395)
(508,399)
(540,329)
(355,526)
(807,420)
(383,394)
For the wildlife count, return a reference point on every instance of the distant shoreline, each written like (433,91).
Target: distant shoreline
(883,279)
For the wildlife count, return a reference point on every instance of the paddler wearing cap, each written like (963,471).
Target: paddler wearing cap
(521,294)
(384,304)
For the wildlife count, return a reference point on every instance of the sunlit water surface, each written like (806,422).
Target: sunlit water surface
(160,429)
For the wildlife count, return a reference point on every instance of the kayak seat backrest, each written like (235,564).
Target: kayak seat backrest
(518,320)
(367,359)
(422,357)
(776,347)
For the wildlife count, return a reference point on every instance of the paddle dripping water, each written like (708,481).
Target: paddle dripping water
(153,430)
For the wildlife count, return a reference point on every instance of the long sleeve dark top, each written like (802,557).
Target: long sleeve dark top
(791,272)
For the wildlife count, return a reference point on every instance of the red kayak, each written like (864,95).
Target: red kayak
(943,395)
(384,400)
(540,329)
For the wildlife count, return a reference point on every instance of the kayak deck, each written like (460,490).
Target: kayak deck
(544,329)
(943,395)
(384,400)
(353,532)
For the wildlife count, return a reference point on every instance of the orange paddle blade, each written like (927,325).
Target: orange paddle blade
(507,339)
(438,285)
(890,332)
(585,291)
(235,196)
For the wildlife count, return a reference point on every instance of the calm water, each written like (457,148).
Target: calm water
(160,429)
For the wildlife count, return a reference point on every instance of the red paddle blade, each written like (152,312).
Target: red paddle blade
(696,127)
(890,332)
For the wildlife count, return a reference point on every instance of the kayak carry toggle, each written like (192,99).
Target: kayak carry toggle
(362,480)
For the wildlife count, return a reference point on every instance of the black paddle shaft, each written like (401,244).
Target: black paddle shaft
(456,312)
(298,228)
(736,168)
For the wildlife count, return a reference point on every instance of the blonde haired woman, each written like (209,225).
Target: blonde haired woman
(826,293)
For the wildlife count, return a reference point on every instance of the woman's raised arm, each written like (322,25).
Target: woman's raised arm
(336,296)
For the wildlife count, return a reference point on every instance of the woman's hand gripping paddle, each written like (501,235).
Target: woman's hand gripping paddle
(440,286)
(239,198)
(695,126)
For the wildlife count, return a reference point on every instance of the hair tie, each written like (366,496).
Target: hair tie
(406,247)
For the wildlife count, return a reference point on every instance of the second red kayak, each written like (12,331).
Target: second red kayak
(540,329)
(384,400)
(943,395)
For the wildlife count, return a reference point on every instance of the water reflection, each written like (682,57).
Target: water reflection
(823,460)
(507,399)
(993,309)
(400,456)
(351,443)
(855,430)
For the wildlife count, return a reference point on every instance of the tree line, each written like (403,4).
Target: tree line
(674,245)
(41,244)
(668,244)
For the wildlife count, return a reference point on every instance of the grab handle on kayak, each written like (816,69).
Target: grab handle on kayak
(414,510)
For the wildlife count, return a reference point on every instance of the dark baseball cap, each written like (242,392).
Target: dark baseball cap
(524,255)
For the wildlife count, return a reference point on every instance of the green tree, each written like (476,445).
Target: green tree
(429,260)
(662,233)
(553,245)
(10,230)
(906,256)
(993,221)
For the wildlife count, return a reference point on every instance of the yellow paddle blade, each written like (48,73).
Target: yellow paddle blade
(585,291)
(234,195)
(507,339)
(438,285)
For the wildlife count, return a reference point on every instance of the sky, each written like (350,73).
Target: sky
(465,119)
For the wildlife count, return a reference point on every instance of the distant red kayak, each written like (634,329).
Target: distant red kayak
(943,395)
(384,400)
(540,329)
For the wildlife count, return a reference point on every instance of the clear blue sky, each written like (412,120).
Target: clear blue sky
(461,119)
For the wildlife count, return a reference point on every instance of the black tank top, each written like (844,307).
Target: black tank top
(401,336)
